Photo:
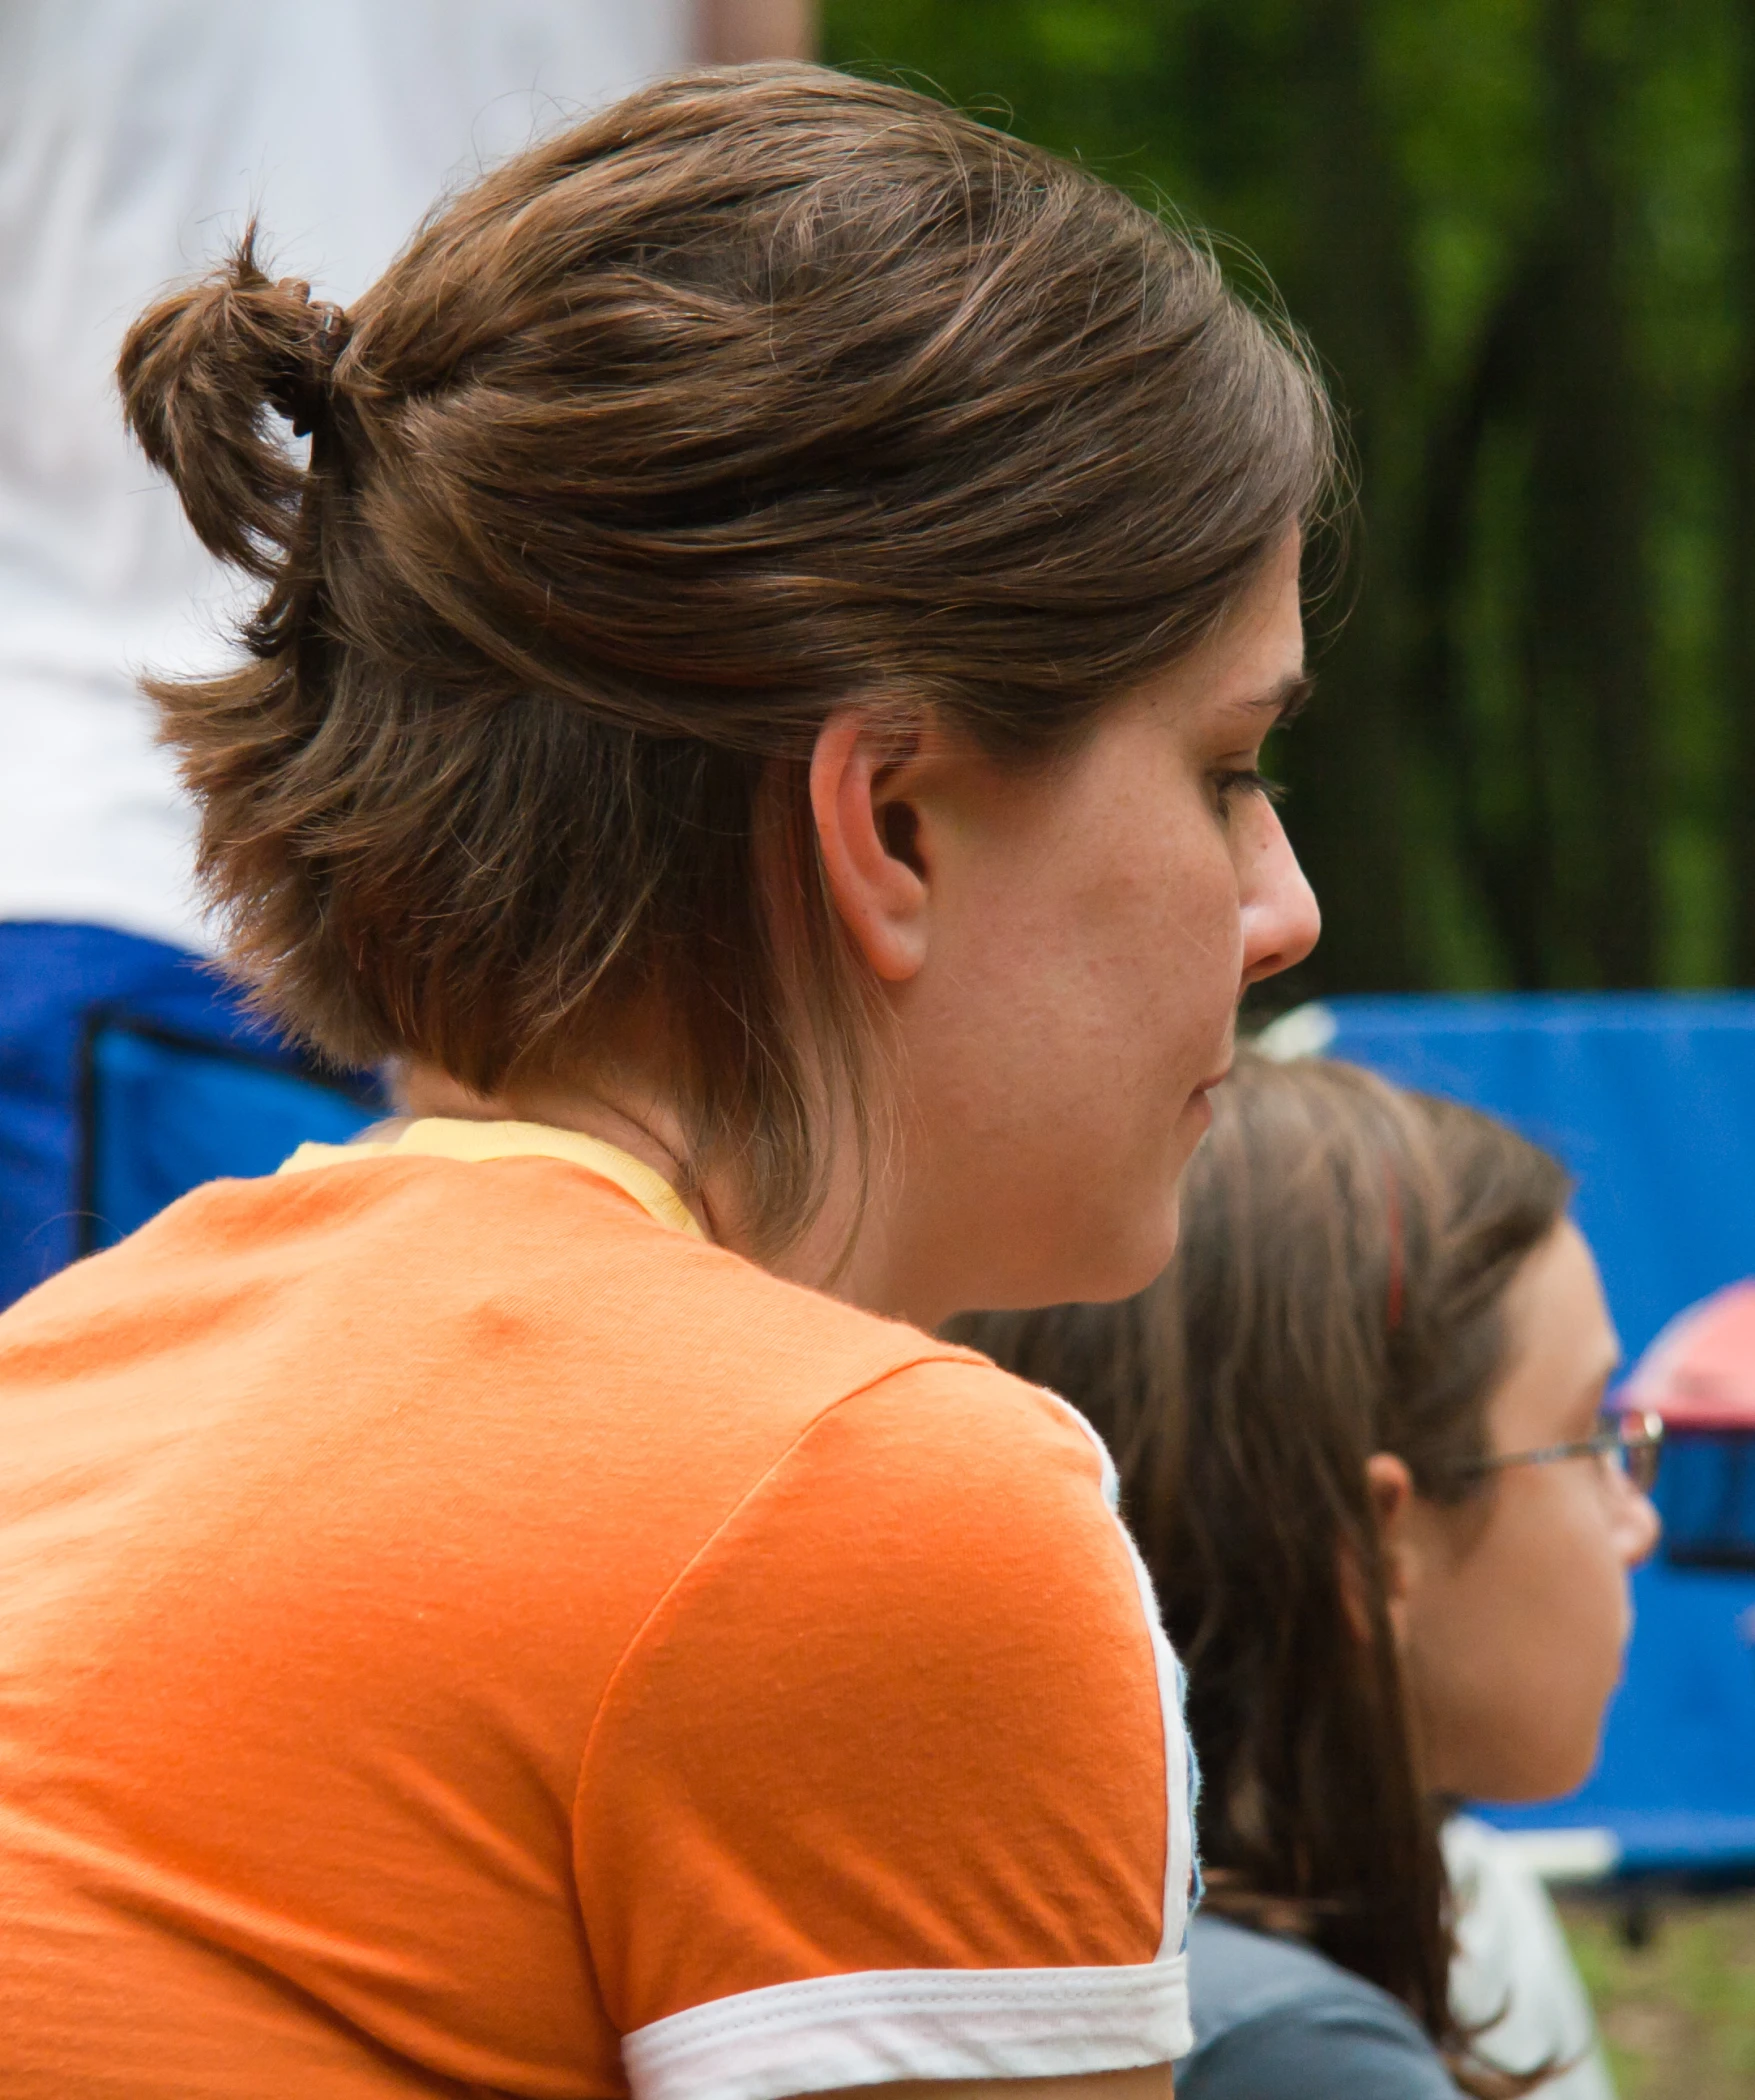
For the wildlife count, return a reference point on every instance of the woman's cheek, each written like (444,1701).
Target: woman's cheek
(1207,913)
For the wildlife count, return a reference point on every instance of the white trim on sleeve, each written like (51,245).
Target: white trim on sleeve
(1182,1884)
(883,2025)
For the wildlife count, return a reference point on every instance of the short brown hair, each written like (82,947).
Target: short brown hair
(1345,1253)
(762,392)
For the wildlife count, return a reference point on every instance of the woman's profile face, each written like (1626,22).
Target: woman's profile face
(1095,927)
(1515,1609)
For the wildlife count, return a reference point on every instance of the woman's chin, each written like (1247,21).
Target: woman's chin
(1139,1260)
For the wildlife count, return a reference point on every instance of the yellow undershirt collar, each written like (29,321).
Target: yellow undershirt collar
(446,1137)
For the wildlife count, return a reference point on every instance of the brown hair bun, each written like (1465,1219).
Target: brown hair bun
(199,371)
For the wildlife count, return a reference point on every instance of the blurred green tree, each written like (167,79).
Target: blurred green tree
(1521,235)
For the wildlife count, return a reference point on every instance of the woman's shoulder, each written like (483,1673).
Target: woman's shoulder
(1273,2017)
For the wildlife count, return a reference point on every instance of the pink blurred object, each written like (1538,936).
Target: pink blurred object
(1700,1372)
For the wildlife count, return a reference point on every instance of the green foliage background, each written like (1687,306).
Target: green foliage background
(1521,234)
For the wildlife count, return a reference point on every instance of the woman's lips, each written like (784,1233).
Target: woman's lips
(1199,1104)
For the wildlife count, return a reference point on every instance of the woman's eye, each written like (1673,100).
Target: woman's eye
(1243,780)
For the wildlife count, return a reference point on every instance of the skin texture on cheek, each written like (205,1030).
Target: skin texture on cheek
(1087,950)
(1073,1006)
(1516,1650)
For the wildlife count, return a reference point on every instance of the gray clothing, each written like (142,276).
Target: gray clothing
(1274,2020)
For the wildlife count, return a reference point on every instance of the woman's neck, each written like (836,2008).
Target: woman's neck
(645,1128)
(848,1261)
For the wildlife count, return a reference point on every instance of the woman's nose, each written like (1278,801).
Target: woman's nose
(1281,919)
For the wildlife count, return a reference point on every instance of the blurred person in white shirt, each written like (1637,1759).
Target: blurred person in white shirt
(136,138)
(1513,1980)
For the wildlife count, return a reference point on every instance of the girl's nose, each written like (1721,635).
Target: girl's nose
(1638,1527)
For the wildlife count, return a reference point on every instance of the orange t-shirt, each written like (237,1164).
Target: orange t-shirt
(461,1632)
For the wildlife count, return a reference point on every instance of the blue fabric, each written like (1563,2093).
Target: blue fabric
(1649,1097)
(1650,1100)
(1707,1494)
(168,1121)
(1274,2020)
(51,976)
(170,1112)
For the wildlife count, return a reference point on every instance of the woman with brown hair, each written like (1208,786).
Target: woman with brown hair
(756,696)
(1357,1425)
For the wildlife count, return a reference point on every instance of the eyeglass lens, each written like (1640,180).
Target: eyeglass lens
(1638,1447)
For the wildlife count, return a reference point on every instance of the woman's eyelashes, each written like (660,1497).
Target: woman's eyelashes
(1231,781)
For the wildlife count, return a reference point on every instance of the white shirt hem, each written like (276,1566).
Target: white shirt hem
(880,2026)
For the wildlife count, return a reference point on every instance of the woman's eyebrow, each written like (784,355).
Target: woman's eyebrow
(1290,697)
(1281,702)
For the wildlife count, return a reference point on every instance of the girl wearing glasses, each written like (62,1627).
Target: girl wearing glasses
(1359,1427)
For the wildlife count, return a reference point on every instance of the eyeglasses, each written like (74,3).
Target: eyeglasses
(1631,1441)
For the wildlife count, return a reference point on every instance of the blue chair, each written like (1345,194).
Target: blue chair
(183,1090)
(1650,1100)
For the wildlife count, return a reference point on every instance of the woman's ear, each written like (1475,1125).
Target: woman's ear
(869,833)
(1390,1487)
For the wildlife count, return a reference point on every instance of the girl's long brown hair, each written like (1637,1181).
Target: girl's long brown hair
(1344,1252)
